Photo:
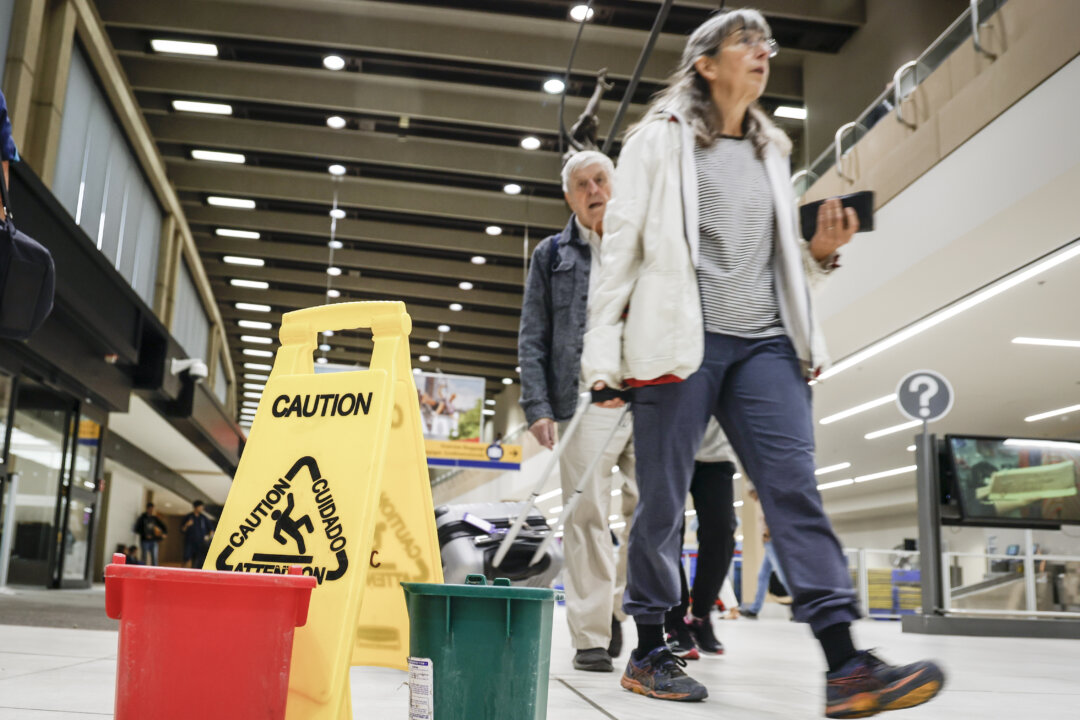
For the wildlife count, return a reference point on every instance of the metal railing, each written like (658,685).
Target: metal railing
(907,77)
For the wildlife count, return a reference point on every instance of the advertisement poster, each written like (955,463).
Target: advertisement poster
(450,406)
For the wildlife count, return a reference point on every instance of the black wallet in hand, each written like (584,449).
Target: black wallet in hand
(862,202)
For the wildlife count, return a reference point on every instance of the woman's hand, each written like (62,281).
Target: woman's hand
(835,226)
(613,403)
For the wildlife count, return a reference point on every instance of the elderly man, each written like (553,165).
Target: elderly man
(553,323)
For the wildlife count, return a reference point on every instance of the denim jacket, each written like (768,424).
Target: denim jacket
(553,316)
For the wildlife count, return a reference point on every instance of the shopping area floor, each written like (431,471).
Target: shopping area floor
(772,670)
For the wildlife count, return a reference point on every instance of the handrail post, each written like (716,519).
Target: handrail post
(898,96)
(837,141)
(975,31)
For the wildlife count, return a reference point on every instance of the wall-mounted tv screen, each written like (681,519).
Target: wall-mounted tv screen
(1015,481)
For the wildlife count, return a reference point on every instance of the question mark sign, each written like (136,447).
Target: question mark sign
(931,389)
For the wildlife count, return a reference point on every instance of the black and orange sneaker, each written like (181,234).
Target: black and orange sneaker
(659,675)
(702,631)
(866,685)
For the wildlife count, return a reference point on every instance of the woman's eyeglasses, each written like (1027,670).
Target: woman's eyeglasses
(749,41)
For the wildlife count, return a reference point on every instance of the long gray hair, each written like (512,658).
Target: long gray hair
(687,92)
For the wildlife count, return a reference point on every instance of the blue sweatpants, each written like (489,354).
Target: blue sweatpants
(755,389)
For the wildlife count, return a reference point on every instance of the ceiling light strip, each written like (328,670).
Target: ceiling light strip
(978,297)
(858,409)
(894,429)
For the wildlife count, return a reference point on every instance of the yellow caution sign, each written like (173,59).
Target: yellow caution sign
(309,491)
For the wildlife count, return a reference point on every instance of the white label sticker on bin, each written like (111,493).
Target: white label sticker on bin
(421,689)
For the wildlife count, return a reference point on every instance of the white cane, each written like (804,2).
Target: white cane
(586,478)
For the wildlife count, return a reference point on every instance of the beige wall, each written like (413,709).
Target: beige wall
(839,87)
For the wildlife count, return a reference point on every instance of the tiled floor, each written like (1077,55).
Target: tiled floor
(772,670)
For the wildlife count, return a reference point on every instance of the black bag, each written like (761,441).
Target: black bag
(27,279)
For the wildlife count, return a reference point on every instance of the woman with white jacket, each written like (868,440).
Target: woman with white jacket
(703,305)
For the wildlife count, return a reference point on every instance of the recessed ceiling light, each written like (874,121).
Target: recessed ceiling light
(257,339)
(247,413)
(328,333)
(250,403)
(1048,342)
(548,495)
(337,214)
(886,473)
(455,307)
(217,156)
(332,293)
(255,377)
(518,369)
(581,13)
(334,244)
(489,401)
(911,448)
(333,271)
(183,47)
(494,230)
(554,86)
(994,289)
(243,234)
(478,260)
(433,344)
(512,189)
(530,143)
(416,371)
(254,386)
(858,409)
(324,348)
(321,360)
(424,358)
(336,169)
(258,366)
(489,413)
(207,108)
(333,62)
(254,324)
(231,202)
(1052,413)
(444,328)
(252,307)
(1051,444)
(507,381)
(238,260)
(336,122)
(832,468)
(791,112)
(835,484)
(894,429)
(465,285)
(254,284)
(253,395)
(737,503)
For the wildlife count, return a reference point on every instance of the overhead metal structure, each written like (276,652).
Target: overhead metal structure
(434,98)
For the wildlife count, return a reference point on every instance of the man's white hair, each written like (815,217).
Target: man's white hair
(582,160)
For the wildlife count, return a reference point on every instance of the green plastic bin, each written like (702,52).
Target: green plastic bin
(479,651)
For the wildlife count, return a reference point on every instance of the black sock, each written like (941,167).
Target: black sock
(836,642)
(649,637)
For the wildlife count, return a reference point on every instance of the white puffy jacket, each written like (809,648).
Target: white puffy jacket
(650,251)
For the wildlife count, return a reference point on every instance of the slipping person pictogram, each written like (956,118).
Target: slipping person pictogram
(282,522)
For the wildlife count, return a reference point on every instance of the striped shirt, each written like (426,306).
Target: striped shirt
(736,225)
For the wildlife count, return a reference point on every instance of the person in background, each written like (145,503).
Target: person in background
(712,488)
(130,553)
(563,270)
(8,152)
(769,564)
(705,307)
(151,530)
(197,528)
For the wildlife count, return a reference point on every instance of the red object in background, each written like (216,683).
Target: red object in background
(202,643)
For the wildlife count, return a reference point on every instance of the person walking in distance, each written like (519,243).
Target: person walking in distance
(151,531)
(563,270)
(283,522)
(196,527)
(704,304)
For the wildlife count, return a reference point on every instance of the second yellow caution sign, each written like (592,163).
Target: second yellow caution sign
(309,491)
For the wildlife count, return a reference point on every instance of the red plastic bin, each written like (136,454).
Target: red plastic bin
(202,643)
